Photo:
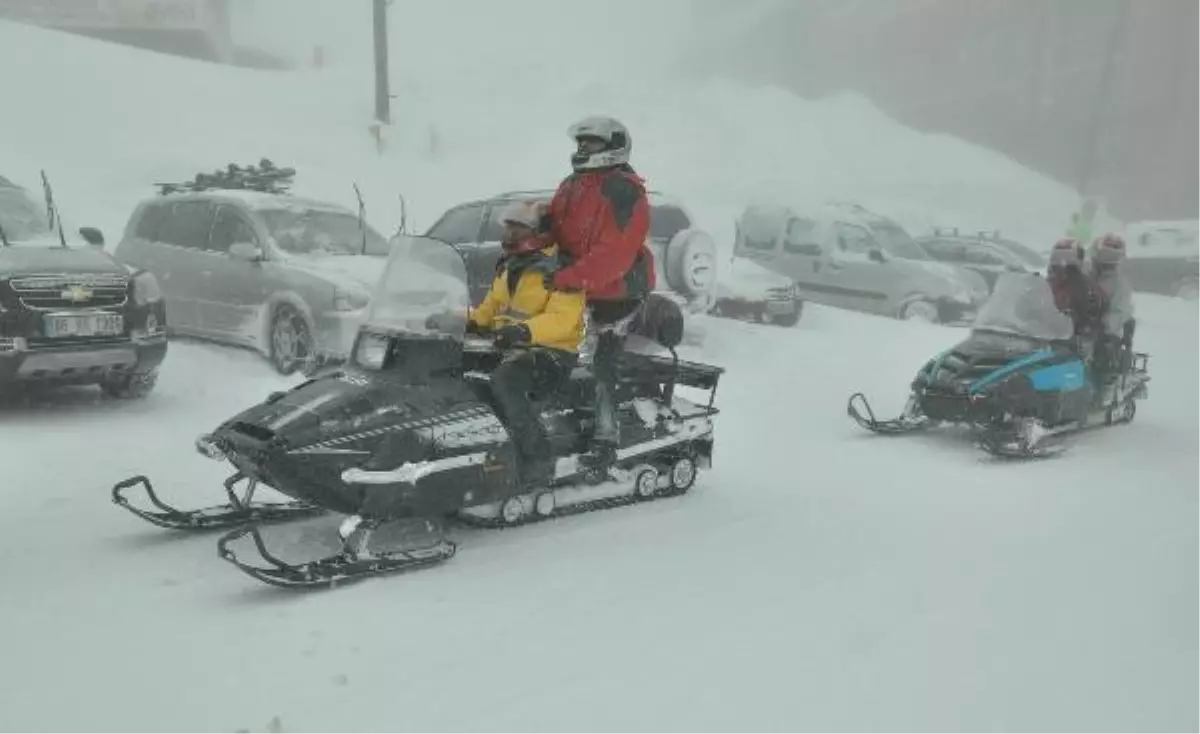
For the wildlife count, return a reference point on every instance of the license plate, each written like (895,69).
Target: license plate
(780,307)
(58,326)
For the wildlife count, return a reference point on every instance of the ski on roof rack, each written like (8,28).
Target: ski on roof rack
(266,178)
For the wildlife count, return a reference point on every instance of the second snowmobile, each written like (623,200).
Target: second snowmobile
(1021,379)
(406,432)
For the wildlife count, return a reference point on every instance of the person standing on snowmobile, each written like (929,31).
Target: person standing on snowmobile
(518,311)
(1114,312)
(1074,292)
(600,219)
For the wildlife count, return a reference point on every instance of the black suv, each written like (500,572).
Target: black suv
(69,313)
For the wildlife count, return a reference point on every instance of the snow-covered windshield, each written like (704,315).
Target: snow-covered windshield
(898,242)
(1022,305)
(20,217)
(1027,256)
(423,278)
(321,232)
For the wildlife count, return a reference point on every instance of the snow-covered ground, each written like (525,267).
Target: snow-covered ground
(817,579)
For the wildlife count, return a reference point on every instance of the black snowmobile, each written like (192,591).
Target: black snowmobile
(1021,379)
(405,433)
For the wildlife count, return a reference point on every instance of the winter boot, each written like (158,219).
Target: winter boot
(600,456)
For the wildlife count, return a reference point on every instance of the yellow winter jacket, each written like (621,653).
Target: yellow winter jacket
(554,318)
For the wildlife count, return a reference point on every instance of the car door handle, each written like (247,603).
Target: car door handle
(206,272)
(836,267)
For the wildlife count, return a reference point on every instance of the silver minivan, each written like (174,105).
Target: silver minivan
(287,276)
(847,257)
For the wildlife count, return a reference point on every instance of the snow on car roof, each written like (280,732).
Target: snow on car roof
(258,199)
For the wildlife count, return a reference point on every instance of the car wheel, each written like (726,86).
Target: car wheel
(133,386)
(1188,290)
(291,341)
(920,310)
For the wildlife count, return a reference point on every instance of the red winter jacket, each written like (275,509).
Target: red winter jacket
(600,221)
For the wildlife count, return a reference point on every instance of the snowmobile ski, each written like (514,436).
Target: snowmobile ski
(355,561)
(908,421)
(238,511)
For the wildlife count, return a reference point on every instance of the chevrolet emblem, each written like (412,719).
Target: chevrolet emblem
(77,294)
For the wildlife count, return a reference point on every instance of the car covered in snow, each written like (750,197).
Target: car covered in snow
(685,256)
(288,276)
(70,314)
(986,253)
(845,256)
(1164,258)
(747,290)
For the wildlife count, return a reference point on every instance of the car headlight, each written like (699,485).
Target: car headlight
(344,300)
(145,289)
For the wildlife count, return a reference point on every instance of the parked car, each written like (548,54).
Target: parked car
(986,253)
(685,256)
(747,290)
(288,276)
(844,256)
(69,313)
(1164,258)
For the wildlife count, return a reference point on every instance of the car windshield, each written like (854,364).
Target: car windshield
(1023,305)
(667,221)
(20,217)
(898,242)
(423,278)
(1026,255)
(321,232)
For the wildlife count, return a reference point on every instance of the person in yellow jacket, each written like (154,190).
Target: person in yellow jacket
(539,329)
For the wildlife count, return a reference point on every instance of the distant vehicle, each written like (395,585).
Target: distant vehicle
(287,276)
(845,256)
(986,253)
(1164,258)
(69,313)
(685,257)
(747,290)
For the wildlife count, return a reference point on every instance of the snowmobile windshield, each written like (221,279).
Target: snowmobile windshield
(424,290)
(21,218)
(1023,305)
(321,232)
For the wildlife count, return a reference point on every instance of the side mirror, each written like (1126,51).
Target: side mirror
(92,235)
(245,251)
(876,255)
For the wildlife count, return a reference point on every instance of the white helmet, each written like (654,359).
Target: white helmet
(614,135)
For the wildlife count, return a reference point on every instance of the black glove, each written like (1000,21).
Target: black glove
(475,328)
(511,335)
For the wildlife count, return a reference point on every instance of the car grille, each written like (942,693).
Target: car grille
(66,292)
(779,294)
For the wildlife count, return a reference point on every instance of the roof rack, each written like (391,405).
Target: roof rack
(265,178)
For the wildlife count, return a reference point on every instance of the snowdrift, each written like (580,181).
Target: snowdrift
(106,121)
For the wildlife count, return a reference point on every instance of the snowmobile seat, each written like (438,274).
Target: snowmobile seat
(659,320)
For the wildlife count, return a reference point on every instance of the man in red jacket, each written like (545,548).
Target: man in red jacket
(600,219)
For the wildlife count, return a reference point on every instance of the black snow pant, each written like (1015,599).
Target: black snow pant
(611,321)
(529,375)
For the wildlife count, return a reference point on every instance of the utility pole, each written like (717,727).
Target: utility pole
(383,95)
